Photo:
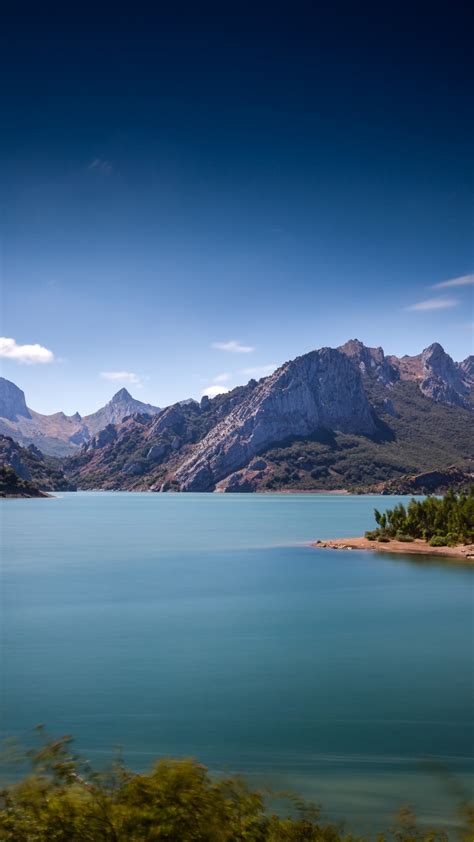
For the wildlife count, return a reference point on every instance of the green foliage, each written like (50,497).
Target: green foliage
(441,521)
(11,485)
(438,541)
(62,799)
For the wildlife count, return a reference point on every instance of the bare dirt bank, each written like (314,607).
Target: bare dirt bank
(417,547)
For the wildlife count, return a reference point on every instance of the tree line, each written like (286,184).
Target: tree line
(444,521)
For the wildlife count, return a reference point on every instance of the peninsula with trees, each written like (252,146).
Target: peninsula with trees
(434,526)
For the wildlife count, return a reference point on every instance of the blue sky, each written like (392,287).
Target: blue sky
(193,200)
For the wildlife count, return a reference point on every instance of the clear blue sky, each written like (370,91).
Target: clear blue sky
(283,182)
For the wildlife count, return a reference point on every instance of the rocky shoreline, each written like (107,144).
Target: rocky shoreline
(416,547)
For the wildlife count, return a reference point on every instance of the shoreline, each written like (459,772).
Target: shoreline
(416,547)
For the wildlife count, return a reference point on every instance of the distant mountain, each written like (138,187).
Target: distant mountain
(119,407)
(333,418)
(32,467)
(60,434)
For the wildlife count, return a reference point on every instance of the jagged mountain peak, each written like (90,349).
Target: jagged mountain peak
(370,361)
(123,395)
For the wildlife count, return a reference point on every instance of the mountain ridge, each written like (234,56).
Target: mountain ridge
(59,434)
(352,415)
(334,417)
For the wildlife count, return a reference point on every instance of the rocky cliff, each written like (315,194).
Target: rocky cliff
(12,401)
(318,390)
(437,375)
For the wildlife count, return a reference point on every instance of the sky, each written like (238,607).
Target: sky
(191,198)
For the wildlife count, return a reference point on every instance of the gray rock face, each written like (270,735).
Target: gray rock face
(12,401)
(370,361)
(136,469)
(106,436)
(156,452)
(438,377)
(466,369)
(442,380)
(319,389)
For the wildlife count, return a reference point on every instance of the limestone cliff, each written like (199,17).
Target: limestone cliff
(319,390)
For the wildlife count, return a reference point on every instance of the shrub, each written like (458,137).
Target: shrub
(402,536)
(451,517)
(65,799)
(438,541)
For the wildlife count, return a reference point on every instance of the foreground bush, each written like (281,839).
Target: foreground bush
(62,799)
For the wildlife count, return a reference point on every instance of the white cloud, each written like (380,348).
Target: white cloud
(100,165)
(123,377)
(222,378)
(27,354)
(462,281)
(233,346)
(442,303)
(212,391)
(259,370)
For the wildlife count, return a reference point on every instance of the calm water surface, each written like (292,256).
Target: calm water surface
(204,625)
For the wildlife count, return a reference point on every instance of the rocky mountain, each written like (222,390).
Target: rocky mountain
(32,467)
(60,434)
(318,390)
(333,418)
(436,374)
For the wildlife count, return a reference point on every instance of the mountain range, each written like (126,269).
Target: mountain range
(350,417)
(60,434)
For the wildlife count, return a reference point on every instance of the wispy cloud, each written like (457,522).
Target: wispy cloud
(462,281)
(123,377)
(212,391)
(101,165)
(27,354)
(442,303)
(223,377)
(259,370)
(233,346)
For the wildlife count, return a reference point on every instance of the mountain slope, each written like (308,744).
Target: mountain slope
(31,466)
(318,390)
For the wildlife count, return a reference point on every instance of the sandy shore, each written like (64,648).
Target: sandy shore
(417,547)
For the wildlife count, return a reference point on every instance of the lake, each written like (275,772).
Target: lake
(204,625)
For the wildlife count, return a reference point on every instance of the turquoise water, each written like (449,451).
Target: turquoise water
(204,625)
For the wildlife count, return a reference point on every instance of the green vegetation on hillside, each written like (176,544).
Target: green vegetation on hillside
(443,522)
(44,472)
(11,485)
(415,435)
(65,800)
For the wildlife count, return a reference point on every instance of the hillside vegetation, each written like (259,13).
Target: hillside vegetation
(414,436)
(11,485)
